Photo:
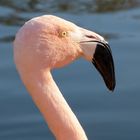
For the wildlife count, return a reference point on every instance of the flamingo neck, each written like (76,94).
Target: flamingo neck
(55,110)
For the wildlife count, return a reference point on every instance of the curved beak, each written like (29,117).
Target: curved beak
(103,61)
(99,53)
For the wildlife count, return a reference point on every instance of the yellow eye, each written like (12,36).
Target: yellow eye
(64,34)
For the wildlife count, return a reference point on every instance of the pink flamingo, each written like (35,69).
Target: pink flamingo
(48,42)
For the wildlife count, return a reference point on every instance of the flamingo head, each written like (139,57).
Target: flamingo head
(51,42)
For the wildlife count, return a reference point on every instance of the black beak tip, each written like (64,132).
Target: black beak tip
(103,61)
(111,85)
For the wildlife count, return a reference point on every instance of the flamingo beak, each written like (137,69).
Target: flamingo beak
(100,54)
(103,61)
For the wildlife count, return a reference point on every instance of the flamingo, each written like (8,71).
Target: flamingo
(48,42)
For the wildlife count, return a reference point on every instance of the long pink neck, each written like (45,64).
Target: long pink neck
(57,113)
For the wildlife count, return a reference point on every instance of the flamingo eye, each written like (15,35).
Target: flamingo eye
(64,34)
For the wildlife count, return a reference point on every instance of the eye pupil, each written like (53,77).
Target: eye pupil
(64,33)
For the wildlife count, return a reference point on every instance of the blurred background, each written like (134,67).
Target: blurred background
(104,115)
